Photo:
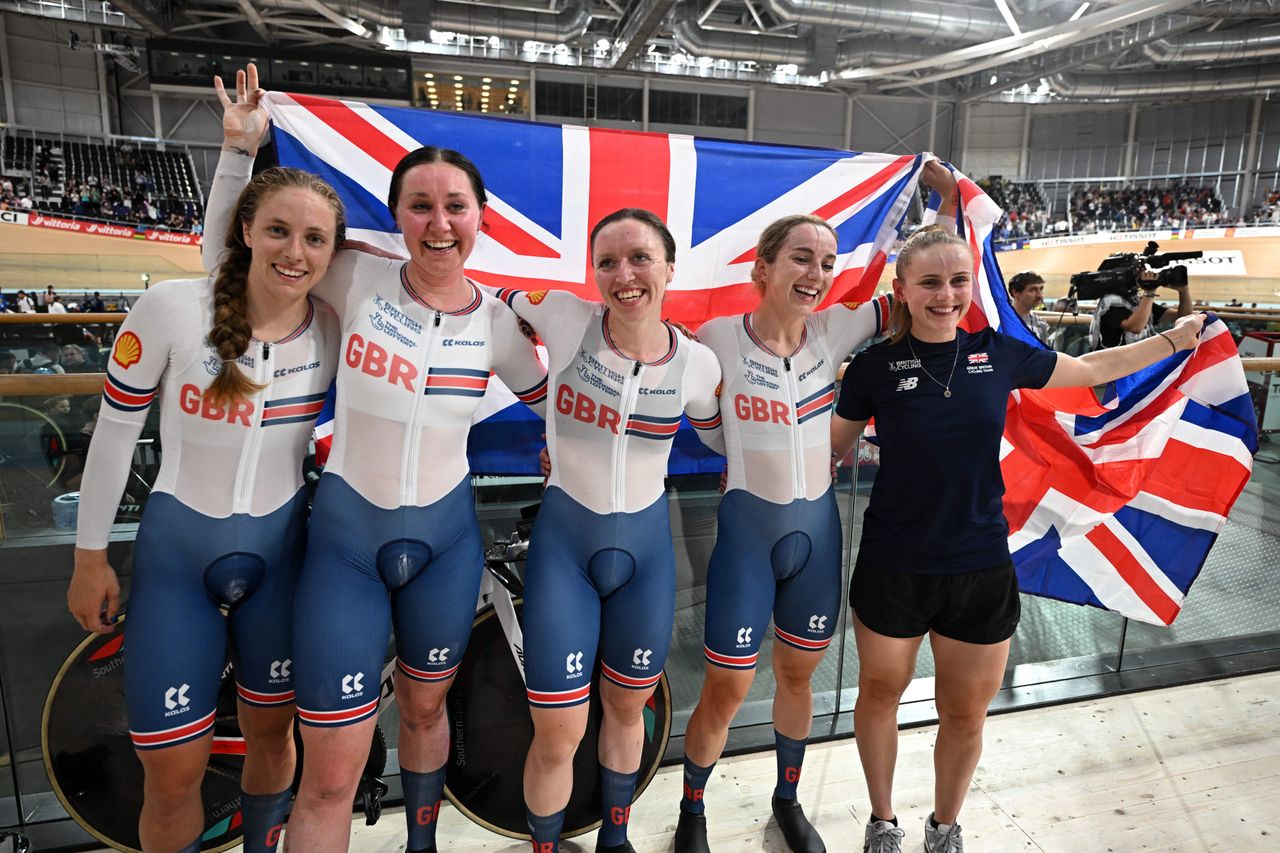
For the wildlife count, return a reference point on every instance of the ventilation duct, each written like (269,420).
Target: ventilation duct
(1253,79)
(919,18)
(1221,46)
(518,24)
(775,50)
(866,52)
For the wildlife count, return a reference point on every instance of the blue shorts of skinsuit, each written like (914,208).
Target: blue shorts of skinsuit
(187,567)
(367,569)
(779,559)
(594,581)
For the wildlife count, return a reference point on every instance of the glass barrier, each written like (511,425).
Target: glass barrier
(46,422)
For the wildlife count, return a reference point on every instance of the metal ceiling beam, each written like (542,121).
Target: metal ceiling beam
(254,17)
(152,15)
(639,24)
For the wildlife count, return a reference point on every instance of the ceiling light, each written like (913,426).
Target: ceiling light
(562,49)
(994,80)
(428,75)
(486,80)
(485,87)
(457,77)
(1078,12)
(515,82)
(602,44)
(494,41)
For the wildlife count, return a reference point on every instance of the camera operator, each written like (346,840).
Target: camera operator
(1125,318)
(1026,293)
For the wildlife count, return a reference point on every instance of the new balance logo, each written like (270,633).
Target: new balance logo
(744,636)
(280,668)
(352,683)
(641,657)
(177,696)
(817,623)
(908,383)
(438,656)
(573,663)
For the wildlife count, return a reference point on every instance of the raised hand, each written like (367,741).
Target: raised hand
(244,121)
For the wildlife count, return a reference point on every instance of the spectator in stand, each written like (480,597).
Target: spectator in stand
(56,306)
(94,304)
(25,305)
(8,362)
(48,359)
(74,360)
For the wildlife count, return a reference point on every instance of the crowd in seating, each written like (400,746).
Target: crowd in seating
(117,183)
(1026,214)
(1123,209)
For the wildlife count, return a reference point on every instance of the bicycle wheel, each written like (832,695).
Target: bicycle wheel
(492,731)
(32,459)
(84,735)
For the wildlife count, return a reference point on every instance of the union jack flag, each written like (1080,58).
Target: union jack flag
(549,184)
(1116,504)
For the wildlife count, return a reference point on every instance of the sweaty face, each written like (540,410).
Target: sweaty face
(292,239)
(631,269)
(937,288)
(799,277)
(439,216)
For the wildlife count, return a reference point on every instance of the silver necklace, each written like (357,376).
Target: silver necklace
(946,389)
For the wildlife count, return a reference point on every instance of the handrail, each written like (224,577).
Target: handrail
(47,319)
(50,384)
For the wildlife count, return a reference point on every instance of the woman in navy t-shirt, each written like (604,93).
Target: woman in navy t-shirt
(934,557)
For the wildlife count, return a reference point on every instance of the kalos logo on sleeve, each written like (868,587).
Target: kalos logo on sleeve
(128,350)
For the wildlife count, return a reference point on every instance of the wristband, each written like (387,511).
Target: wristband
(1170,340)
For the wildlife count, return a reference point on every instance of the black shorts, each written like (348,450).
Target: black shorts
(981,606)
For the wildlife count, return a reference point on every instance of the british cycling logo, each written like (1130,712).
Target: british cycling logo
(393,322)
(597,375)
(213,364)
(754,371)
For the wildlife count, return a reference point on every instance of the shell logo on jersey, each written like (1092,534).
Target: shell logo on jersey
(719,385)
(537,296)
(128,350)
(852,306)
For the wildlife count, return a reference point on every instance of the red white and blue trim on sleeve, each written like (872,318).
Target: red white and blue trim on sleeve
(126,398)
(708,423)
(536,394)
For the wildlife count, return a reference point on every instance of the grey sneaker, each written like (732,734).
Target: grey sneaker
(944,839)
(882,837)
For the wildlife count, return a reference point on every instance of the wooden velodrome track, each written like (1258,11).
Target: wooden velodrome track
(33,258)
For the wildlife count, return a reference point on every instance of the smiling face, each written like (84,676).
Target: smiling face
(439,216)
(631,269)
(936,287)
(292,238)
(799,276)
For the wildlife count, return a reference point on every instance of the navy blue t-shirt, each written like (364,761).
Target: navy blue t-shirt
(936,506)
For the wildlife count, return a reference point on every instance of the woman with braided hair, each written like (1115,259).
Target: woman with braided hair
(240,363)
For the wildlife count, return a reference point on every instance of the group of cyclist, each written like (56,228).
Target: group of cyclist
(393,541)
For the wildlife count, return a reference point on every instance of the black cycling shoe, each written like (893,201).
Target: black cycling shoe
(800,835)
(691,833)
(624,847)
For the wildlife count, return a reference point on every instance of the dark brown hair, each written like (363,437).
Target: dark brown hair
(428,154)
(924,239)
(639,214)
(776,232)
(231,332)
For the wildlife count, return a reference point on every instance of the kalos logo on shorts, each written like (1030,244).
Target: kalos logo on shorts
(128,350)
